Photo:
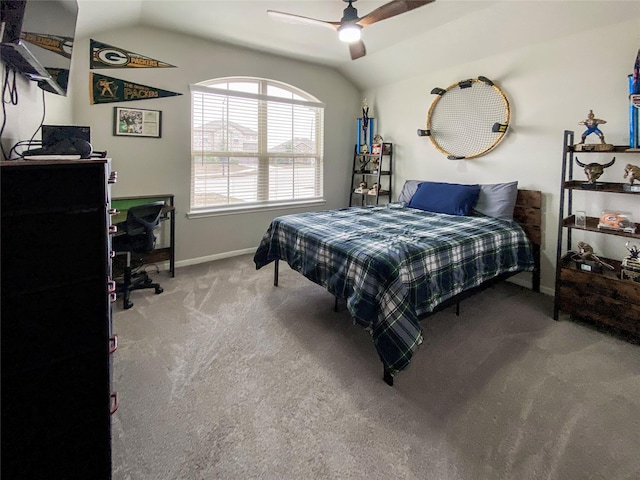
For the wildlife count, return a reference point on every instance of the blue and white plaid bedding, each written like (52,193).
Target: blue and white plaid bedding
(394,265)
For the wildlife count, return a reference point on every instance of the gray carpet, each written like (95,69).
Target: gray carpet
(224,376)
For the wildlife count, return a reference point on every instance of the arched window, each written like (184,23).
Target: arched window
(254,143)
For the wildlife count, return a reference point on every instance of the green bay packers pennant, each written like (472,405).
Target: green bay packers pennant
(108,56)
(108,89)
(60,45)
(60,75)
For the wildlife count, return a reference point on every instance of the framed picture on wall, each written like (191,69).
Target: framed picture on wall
(137,122)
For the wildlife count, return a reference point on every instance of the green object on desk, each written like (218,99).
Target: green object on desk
(125,203)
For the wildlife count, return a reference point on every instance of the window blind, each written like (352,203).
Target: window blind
(254,143)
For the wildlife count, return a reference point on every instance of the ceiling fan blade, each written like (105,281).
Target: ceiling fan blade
(291,18)
(357,50)
(391,9)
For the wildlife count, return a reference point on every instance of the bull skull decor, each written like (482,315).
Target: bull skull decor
(594,170)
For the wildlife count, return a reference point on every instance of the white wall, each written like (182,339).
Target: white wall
(32,104)
(550,86)
(152,166)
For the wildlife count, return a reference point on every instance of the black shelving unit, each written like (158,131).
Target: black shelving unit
(372,168)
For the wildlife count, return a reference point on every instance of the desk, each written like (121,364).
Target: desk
(163,253)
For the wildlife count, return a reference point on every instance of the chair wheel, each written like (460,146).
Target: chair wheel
(128,304)
(159,290)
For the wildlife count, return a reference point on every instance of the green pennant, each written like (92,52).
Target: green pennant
(109,89)
(108,56)
(54,43)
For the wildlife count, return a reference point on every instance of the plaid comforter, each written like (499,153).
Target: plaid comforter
(394,265)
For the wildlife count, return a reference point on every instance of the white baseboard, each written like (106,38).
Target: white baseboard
(522,282)
(217,256)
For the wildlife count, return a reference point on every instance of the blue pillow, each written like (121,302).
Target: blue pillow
(450,198)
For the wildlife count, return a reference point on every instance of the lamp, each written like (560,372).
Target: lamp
(349,33)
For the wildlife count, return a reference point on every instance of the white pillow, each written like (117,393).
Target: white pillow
(408,190)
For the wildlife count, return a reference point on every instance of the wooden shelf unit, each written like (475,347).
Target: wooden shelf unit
(592,226)
(600,297)
(604,298)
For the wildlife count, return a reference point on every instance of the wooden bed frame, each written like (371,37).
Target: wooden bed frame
(527,213)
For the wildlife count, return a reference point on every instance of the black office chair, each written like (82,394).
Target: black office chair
(137,236)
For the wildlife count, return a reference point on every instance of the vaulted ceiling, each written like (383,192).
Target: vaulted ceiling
(440,34)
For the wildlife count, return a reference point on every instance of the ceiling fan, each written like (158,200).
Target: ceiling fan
(350,25)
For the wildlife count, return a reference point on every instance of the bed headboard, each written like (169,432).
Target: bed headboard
(528,213)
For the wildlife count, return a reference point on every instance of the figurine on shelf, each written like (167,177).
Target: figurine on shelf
(374,165)
(362,188)
(585,252)
(364,161)
(376,145)
(632,172)
(592,124)
(593,171)
(631,265)
(592,127)
(374,189)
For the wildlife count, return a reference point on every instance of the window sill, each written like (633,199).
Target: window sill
(253,209)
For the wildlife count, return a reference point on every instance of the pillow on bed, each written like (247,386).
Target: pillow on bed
(408,190)
(497,200)
(450,198)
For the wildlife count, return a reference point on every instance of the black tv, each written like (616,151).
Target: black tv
(37,40)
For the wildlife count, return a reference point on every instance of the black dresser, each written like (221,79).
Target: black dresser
(55,323)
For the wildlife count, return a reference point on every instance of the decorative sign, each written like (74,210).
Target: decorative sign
(136,122)
(53,43)
(107,56)
(109,89)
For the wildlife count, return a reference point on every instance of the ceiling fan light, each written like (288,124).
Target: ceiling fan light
(349,33)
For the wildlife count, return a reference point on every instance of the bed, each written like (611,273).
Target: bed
(399,263)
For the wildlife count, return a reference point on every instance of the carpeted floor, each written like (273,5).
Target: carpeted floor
(224,376)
